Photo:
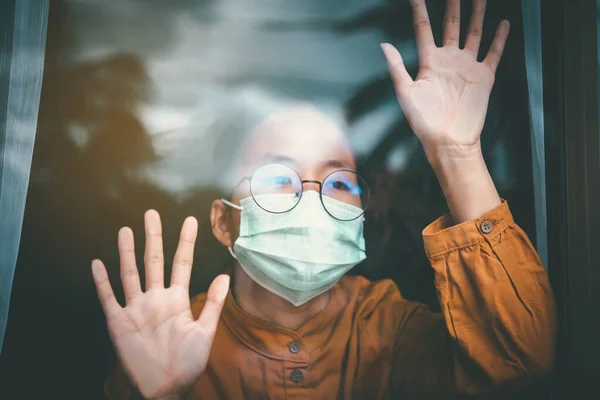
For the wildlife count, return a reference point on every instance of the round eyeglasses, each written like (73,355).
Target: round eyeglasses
(345,186)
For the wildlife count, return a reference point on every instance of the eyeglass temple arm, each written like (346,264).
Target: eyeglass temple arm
(245,178)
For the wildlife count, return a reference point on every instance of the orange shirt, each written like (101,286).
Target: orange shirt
(497,328)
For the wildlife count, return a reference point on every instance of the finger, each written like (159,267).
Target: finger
(217,292)
(154,256)
(423,32)
(184,256)
(129,272)
(497,48)
(452,23)
(475,31)
(400,76)
(105,293)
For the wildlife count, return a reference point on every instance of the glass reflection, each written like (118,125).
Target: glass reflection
(144,103)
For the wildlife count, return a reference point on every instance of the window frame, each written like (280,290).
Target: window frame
(572,141)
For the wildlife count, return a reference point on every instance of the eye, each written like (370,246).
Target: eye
(344,186)
(339,185)
(277,180)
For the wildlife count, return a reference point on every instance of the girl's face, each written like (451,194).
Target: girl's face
(301,137)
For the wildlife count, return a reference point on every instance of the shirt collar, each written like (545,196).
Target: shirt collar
(273,341)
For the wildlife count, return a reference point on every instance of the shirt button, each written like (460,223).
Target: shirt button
(297,375)
(294,347)
(486,226)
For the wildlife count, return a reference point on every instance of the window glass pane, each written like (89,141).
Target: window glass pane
(146,104)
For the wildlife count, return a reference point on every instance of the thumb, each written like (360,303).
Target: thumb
(217,292)
(400,76)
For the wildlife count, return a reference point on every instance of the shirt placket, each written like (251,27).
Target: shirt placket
(296,372)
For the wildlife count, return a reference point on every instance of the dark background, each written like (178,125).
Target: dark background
(56,343)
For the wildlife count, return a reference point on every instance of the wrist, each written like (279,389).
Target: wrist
(464,179)
(451,158)
(457,167)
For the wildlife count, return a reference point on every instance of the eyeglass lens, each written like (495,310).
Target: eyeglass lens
(344,186)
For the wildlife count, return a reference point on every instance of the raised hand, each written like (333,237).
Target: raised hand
(162,347)
(447,103)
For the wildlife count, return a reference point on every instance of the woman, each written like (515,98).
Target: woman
(292,325)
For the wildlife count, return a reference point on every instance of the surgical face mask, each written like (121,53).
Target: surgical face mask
(299,254)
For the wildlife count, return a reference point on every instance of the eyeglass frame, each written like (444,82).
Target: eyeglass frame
(302,182)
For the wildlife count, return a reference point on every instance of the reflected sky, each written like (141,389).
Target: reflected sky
(203,55)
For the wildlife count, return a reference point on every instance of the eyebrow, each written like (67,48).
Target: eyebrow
(329,164)
(338,164)
(271,157)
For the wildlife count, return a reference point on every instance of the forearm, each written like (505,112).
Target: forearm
(465,181)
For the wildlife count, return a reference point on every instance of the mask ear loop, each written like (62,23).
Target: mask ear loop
(230,204)
(232,253)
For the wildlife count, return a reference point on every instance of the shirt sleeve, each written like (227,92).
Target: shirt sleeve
(497,325)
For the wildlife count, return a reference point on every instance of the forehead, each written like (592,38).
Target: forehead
(302,135)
